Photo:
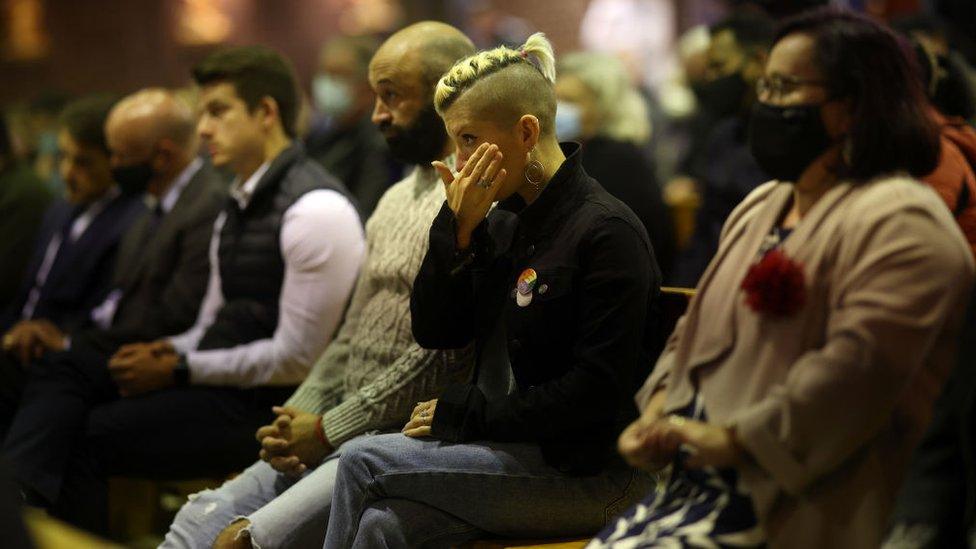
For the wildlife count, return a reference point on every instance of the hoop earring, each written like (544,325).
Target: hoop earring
(534,173)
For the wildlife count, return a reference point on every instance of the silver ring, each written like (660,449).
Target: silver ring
(484,183)
(677,420)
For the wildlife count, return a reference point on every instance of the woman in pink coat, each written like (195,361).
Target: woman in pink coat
(804,371)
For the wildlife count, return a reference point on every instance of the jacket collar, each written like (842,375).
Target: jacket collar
(555,197)
(714,336)
(276,172)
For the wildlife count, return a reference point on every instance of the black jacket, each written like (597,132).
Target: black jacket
(939,490)
(163,267)
(359,157)
(580,348)
(23,200)
(623,169)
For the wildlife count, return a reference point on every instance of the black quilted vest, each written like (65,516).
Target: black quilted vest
(252,268)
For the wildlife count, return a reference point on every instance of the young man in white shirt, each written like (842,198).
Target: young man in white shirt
(284,256)
(374,373)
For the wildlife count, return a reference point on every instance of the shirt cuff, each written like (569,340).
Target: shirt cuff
(197,376)
(180,343)
(445,227)
(455,418)
(345,421)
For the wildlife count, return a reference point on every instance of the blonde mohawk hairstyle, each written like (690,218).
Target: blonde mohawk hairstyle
(478,67)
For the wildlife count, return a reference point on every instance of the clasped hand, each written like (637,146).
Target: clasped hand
(421,419)
(652,443)
(471,192)
(143,367)
(30,339)
(291,444)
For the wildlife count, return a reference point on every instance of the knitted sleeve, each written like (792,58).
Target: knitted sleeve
(416,375)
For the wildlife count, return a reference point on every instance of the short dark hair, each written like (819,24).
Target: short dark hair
(84,119)
(779,8)
(255,72)
(752,28)
(867,63)
(945,78)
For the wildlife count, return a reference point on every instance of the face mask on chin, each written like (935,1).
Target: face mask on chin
(785,140)
(421,142)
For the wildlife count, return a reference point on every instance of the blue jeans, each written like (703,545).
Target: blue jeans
(396,491)
(283,511)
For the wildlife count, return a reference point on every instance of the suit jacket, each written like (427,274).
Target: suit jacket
(81,277)
(162,271)
(23,200)
(828,402)
(359,157)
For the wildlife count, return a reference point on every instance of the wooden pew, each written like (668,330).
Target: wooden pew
(49,533)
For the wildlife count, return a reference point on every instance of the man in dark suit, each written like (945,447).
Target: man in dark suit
(162,268)
(284,254)
(71,269)
(23,200)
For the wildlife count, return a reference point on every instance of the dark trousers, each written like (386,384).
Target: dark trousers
(72,430)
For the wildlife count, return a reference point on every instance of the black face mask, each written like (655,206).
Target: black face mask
(723,96)
(420,143)
(785,140)
(134,178)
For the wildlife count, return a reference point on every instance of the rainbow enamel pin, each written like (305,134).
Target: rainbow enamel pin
(526,283)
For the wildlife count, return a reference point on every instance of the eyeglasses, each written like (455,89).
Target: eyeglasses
(779,86)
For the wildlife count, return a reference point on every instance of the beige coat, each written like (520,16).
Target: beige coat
(829,401)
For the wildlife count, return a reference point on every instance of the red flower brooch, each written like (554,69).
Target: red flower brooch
(775,285)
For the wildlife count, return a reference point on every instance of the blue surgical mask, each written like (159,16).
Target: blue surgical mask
(332,95)
(569,121)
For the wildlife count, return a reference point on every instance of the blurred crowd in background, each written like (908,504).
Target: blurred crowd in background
(657,89)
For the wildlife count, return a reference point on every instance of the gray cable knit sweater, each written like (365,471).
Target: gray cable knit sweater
(373,373)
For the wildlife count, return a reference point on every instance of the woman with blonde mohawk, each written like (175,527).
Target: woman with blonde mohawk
(553,287)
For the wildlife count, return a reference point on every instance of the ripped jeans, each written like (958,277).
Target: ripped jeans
(283,511)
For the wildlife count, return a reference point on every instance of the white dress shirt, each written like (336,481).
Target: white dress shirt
(323,246)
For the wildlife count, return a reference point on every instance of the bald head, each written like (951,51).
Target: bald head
(430,48)
(152,127)
(140,121)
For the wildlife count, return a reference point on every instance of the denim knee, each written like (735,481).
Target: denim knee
(362,453)
(396,523)
(200,520)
